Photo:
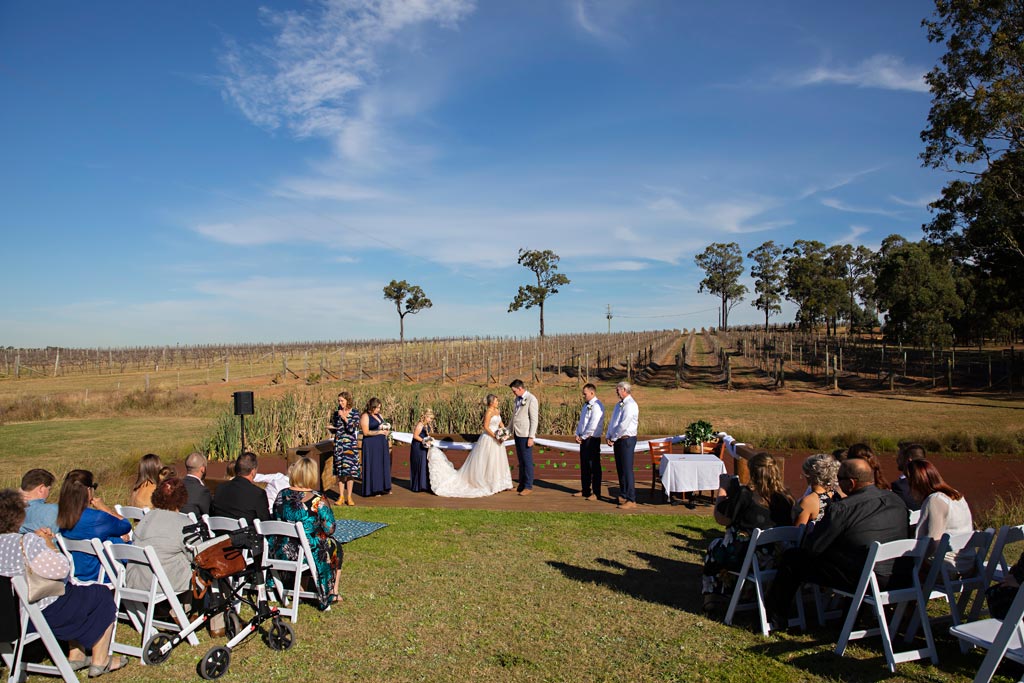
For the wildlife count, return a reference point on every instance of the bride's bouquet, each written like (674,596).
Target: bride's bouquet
(501,434)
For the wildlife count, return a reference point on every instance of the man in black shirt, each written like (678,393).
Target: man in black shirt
(240,498)
(835,551)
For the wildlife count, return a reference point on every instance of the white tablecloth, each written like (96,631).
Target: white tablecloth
(696,472)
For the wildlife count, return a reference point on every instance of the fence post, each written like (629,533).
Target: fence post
(835,373)
(728,373)
(782,373)
(949,375)
(227,369)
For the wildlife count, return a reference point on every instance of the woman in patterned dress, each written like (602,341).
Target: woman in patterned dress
(820,471)
(345,425)
(301,503)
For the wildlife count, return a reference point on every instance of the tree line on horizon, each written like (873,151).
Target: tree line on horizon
(961,281)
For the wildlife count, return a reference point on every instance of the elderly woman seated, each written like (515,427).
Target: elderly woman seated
(300,502)
(161,528)
(820,471)
(83,615)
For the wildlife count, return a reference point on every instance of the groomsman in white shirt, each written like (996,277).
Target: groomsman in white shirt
(621,436)
(588,436)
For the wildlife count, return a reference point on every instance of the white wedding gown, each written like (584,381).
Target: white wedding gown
(485,472)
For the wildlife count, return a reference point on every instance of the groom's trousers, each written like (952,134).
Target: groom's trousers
(590,466)
(623,448)
(524,454)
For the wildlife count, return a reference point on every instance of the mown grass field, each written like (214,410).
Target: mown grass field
(459,595)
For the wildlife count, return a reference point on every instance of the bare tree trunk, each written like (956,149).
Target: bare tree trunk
(542,319)
(401,329)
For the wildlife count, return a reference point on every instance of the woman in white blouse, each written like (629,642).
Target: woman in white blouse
(943,511)
(83,615)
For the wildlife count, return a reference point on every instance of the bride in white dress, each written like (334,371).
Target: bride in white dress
(486,470)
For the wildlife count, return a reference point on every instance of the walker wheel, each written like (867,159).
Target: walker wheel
(280,635)
(215,663)
(157,649)
(232,624)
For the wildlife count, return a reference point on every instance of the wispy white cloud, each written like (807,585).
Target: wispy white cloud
(317,76)
(918,203)
(852,236)
(887,72)
(586,14)
(837,182)
(329,188)
(840,205)
(627,266)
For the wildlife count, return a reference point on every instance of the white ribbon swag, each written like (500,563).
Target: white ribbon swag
(449,445)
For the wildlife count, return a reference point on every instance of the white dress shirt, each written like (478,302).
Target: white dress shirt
(625,419)
(590,419)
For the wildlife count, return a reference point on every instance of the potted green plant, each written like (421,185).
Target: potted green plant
(698,434)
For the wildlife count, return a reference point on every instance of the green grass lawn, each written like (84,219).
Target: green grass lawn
(474,595)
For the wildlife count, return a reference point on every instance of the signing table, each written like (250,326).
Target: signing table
(691,472)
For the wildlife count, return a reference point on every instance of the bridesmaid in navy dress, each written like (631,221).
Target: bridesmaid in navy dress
(419,479)
(376,454)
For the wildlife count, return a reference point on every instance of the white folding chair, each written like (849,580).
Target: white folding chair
(942,583)
(752,572)
(11,653)
(139,604)
(868,592)
(131,513)
(221,525)
(997,564)
(278,568)
(1001,638)
(91,546)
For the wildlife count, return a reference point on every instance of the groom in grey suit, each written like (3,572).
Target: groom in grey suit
(524,430)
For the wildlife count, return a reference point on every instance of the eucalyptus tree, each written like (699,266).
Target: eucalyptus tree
(411,296)
(768,272)
(544,266)
(723,266)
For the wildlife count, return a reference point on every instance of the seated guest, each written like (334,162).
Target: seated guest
(84,615)
(943,511)
(834,552)
(166,472)
(82,515)
(240,498)
(300,502)
(146,481)
(901,486)
(761,504)
(863,452)
(199,498)
(35,489)
(820,472)
(161,528)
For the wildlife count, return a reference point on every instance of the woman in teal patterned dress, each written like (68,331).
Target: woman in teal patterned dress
(301,503)
(347,465)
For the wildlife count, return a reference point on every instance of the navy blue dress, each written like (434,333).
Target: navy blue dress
(376,461)
(419,479)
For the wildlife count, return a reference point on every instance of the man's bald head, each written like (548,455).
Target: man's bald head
(857,470)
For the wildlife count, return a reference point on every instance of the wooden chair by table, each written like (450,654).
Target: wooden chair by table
(1001,638)
(868,592)
(658,449)
(751,571)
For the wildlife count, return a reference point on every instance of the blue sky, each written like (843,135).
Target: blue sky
(205,172)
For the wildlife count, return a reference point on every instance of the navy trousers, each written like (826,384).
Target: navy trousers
(524,454)
(624,467)
(590,466)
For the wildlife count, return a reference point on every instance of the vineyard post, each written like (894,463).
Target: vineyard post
(949,375)
(827,367)
(629,369)
(933,369)
(284,367)
(835,373)
(587,365)
(487,372)
(401,366)
(840,356)
(541,374)
(147,382)
(56,363)
(359,378)
(728,372)
(227,369)
(782,373)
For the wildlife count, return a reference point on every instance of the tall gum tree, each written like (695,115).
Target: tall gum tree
(544,265)
(722,265)
(412,296)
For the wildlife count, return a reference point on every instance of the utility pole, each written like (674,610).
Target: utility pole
(609,316)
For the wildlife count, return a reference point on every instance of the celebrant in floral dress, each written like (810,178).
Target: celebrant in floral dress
(345,425)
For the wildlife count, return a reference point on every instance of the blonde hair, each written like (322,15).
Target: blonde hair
(303,473)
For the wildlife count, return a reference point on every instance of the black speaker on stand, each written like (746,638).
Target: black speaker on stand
(243,406)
